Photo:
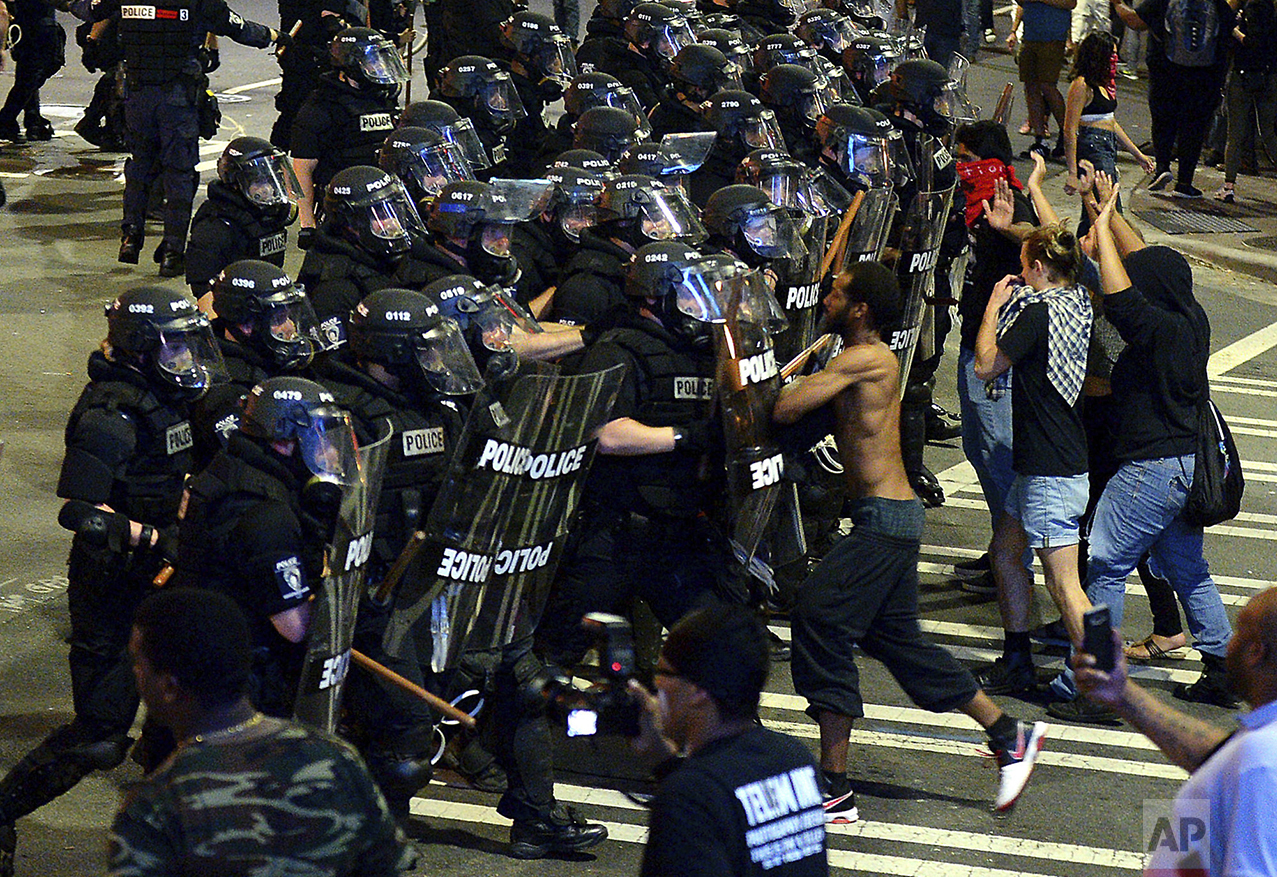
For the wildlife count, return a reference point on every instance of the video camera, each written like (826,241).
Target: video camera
(607,707)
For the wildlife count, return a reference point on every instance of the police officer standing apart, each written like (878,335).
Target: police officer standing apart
(257,520)
(163,82)
(37,56)
(128,447)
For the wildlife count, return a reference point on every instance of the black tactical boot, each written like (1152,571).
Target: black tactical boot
(130,247)
(172,261)
(1213,687)
(913,439)
(559,831)
(39,129)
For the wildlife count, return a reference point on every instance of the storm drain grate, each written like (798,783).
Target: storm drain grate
(1193,222)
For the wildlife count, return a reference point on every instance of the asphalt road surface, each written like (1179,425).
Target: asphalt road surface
(923,782)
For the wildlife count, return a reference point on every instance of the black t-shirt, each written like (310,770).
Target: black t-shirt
(746,804)
(1047,436)
(993,256)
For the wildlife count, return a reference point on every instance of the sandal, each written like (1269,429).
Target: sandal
(1226,194)
(1147,649)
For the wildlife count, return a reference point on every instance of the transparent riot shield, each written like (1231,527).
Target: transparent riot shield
(798,287)
(561,443)
(923,229)
(868,234)
(748,382)
(435,608)
(332,626)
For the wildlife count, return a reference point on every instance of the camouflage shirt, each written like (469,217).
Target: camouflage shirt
(276,799)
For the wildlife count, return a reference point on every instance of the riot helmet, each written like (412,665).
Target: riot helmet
(165,336)
(261,308)
(482,215)
(659,31)
(744,219)
(918,84)
(668,273)
(371,209)
(638,209)
(793,92)
(616,10)
(486,317)
(407,333)
(293,409)
(367,58)
(734,49)
(444,120)
(827,31)
(478,88)
(585,159)
(423,161)
(743,122)
(783,48)
(543,50)
(780,177)
(263,175)
(589,90)
(856,141)
(605,130)
(575,202)
(835,83)
(869,60)
(677,155)
(700,71)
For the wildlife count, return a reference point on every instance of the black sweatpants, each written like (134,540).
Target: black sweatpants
(1181,101)
(865,593)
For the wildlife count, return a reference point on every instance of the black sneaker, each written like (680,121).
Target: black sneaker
(11,132)
(839,801)
(973,569)
(1184,190)
(1013,675)
(563,831)
(1053,633)
(1083,712)
(39,130)
(982,586)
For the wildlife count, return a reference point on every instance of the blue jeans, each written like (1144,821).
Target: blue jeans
(986,435)
(1140,511)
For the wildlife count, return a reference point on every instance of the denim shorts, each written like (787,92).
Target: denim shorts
(1048,507)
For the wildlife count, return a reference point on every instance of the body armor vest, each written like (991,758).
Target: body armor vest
(159,41)
(360,121)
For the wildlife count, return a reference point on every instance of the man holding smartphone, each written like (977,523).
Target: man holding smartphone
(1234,774)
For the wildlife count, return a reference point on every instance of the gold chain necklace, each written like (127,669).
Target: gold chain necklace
(255,719)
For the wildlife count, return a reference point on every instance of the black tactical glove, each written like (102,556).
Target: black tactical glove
(210,59)
(694,436)
(305,237)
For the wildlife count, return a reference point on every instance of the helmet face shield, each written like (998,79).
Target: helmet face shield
(771,233)
(782,187)
(326,443)
(811,106)
(434,166)
(576,218)
(762,132)
(462,135)
(392,220)
(674,35)
(697,294)
(293,330)
(494,237)
(902,172)
(749,298)
(445,360)
(189,358)
(500,101)
(518,200)
(867,159)
(624,99)
(269,181)
(382,64)
(556,62)
(668,215)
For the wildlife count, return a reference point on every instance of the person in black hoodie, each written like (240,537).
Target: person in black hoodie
(369,225)
(1159,384)
(249,208)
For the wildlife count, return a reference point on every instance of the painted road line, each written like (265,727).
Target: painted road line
(1248,382)
(967,749)
(1237,390)
(252,86)
(634,833)
(1241,351)
(957,721)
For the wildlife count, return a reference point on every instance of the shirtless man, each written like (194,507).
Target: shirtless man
(865,591)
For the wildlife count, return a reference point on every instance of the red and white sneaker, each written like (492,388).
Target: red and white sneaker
(1015,762)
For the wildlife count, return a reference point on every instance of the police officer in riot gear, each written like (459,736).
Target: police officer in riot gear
(257,519)
(424,162)
(345,119)
(743,124)
(853,144)
(369,226)
(163,82)
(441,118)
(652,36)
(651,480)
(743,222)
(769,16)
(407,367)
(589,90)
(469,232)
(548,241)
(306,59)
(541,66)
(793,93)
(128,448)
(633,210)
(869,60)
(246,216)
(606,130)
(697,74)
(477,88)
(265,326)
(38,55)
(827,31)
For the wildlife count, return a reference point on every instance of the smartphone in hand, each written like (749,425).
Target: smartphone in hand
(1097,637)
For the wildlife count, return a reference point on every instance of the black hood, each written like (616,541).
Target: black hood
(1164,278)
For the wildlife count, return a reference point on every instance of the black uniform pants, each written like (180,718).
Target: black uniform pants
(164,138)
(865,593)
(36,57)
(1181,101)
